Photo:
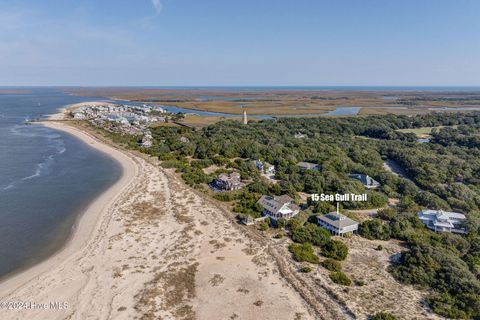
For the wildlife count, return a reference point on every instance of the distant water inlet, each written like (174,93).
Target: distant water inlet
(339,111)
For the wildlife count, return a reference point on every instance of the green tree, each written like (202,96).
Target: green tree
(340,278)
(303,252)
(335,249)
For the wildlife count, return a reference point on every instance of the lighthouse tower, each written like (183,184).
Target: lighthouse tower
(245,120)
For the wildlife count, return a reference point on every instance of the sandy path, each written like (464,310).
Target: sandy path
(151,248)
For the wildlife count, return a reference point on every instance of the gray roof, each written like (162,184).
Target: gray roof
(232,177)
(337,220)
(440,214)
(308,165)
(276,203)
(364,179)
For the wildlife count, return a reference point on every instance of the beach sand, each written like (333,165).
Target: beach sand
(151,248)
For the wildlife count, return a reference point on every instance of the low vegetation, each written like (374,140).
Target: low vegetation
(304,253)
(383,316)
(332,265)
(340,278)
(335,249)
(442,174)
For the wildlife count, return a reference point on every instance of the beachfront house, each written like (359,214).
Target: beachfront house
(443,221)
(367,181)
(337,223)
(278,207)
(228,182)
(308,166)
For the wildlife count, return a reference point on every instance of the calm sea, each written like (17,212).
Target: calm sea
(46,178)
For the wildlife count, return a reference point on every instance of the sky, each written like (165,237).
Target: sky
(240,42)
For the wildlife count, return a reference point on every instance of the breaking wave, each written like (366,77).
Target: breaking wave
(54,143)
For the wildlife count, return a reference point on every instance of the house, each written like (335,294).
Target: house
(443,221)
(266,167)
(247,220)
(278,207)
(367,181)
(299,135)
(258,164)
(337,223)
(228,182)
(308,166)
(269,169)
(184,140)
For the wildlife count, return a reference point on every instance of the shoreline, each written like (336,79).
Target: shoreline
(142,235)
(87,222)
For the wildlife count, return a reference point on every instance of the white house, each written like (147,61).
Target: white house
(337,223)
(269,169)
(278,207)
(443,221)
(367,181)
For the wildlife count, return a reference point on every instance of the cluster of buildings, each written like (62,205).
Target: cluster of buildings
(283,207)
(126,119)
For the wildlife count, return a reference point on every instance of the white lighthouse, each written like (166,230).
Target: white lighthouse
(245,120)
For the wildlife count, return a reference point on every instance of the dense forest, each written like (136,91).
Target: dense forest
(441,174)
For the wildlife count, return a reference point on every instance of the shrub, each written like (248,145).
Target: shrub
(387,214)
(303,252)
(310,233)
(464,307)
(340,278)
(224,196)
(281,223)
(264,226)
(374,229)
(335,249)
(359,283)
(193,176)
(167,164)
(279,235)
(383,316)
(204,163)
(379,247)
(305,269)
(332,265)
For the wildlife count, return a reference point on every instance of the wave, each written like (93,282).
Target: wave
(54,142)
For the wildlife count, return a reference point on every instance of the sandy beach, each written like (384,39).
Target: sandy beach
(151,248)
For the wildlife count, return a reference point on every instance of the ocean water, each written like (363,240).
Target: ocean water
(47,178)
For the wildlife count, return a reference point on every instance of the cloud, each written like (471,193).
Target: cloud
(157,4)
